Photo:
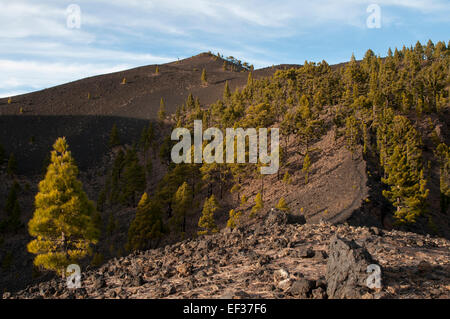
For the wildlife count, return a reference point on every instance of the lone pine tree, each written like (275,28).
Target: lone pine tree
(62,224)
(258,205)
(282,205)
(162,110)
(206,221)
(306,166)
(204,77)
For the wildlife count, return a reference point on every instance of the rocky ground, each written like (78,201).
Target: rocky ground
(271,258)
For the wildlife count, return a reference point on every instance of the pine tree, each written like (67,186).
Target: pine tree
(204,77)
(147,227)
(206,221)
(114,137)
(101,200)
(226,92)
(62,223)
(134,178)
(407,191)
(366,139)
(307,123)
(287,178)
(258,205)
(190,102)
(162,110)
(112,224)
(157,70)
(11,169)
(443,155)
(182,204)
(282,205)
(233,220)
(250,79)
(306,166)
(351,133)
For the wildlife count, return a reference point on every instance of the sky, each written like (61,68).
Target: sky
(50,42)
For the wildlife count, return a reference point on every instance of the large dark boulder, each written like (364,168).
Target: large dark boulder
(347,269)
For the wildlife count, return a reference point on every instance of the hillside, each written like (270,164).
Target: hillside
(90,107)
(362,144)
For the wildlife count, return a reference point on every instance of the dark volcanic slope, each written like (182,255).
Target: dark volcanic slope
(85,110)
(140,96)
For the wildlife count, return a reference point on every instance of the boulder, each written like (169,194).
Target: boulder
(302,288)
(346,274)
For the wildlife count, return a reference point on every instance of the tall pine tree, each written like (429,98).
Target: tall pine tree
(62,224)
(147,227)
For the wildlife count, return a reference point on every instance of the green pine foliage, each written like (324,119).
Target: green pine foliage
(147,227)
(352,134)
(162,110)
(306,167)
(287,178)
(282,205)
(403,167)
(259,205)
(134,178)
(443,155)
(62,224)
(233,220)
(182,204)
(204,77)
(207,223)
(226,92)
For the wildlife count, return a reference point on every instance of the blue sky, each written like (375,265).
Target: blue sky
(38,49)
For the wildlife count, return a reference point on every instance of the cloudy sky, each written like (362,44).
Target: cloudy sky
(42,46)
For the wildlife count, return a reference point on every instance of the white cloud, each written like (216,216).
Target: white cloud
(38,50)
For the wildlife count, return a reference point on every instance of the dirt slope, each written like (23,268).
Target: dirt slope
(85,110)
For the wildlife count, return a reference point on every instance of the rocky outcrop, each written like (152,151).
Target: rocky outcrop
(270,259)
(347,269)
